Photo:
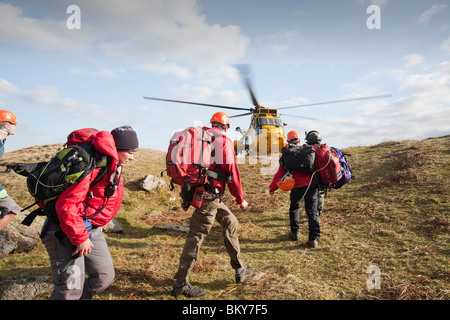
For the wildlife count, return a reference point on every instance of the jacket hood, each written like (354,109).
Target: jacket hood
(104,143)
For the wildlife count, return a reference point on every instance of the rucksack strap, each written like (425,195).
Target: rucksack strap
(32,215)
(99,177)
(218,176)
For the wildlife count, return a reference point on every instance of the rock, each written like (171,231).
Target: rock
(16,237)
(24,288)
(151,182)
(174,228)
(113,226)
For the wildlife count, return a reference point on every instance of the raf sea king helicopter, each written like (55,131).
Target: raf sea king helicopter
(265,134)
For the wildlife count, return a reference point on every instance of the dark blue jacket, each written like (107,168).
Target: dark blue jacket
(2,150)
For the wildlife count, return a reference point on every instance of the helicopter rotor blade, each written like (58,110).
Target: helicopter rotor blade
(241,115)
(200,104)
(245,74)
(290,115)
(338,101)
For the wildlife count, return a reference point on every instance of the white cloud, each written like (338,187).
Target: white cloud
(6,86)
(49,35)
(413,60)
(380,3)
(146,30)
(423,112)
(167,68)
(419,108)
(434,9)
(445,45)
(278,42)
(103,73)
(49,96)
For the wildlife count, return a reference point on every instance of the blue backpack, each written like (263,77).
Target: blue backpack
(346,171)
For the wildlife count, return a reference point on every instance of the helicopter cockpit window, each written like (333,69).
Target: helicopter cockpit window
(263,121)
(256,126)
(278,122)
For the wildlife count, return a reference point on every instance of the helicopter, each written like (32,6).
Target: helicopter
(265,135)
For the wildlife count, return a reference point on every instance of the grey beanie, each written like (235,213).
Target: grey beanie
(125,138)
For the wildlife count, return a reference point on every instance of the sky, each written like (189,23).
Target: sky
(63,67)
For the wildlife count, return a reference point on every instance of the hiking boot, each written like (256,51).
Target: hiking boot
(187,290)
(293,236)
(313,243)
(243,273)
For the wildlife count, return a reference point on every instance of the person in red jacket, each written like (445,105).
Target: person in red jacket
(73,249)
(306,187)
(212,208)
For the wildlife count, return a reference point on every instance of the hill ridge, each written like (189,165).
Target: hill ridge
(393,216)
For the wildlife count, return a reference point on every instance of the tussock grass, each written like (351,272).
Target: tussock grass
(394,215)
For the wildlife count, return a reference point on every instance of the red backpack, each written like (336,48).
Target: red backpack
(188,157)
(81,136)
(327,164)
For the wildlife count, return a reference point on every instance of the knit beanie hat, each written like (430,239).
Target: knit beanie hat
(125,138)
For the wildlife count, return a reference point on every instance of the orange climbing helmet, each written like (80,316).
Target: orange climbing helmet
(7,116)
(220,117)
(292,135)
(286,185)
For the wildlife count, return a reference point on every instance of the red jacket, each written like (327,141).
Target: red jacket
(301,179)
(71,203)
(225,161)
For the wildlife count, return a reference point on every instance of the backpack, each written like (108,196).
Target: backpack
(47,180)
(189,154)
(66,168)
(300,158)
(188,159)
(346,171)
(81,136)
(327,164)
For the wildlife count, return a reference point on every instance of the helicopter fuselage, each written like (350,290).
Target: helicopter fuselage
(264,136)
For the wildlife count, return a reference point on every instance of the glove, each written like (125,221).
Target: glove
(244,205)
(3,194)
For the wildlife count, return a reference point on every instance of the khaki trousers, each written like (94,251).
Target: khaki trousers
(201,222)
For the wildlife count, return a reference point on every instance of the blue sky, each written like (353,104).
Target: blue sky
(56,79)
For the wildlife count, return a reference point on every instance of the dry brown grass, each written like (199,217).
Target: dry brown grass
(393,215)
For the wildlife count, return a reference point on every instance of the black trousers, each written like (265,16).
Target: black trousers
(311,198)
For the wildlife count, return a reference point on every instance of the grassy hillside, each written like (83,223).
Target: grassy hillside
(394,215)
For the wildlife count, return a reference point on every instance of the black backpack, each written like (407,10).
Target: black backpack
(66,168)
(47,180)
(300,158)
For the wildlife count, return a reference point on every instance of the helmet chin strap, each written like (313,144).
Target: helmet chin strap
(6,131)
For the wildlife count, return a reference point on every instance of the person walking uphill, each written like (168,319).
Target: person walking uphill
(9,208)
(313,138)
(212,208)
(73,250)
(306,187)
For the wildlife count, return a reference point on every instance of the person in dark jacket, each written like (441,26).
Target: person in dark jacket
(9,208)
(313,138)
(306,187)
(76,249)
